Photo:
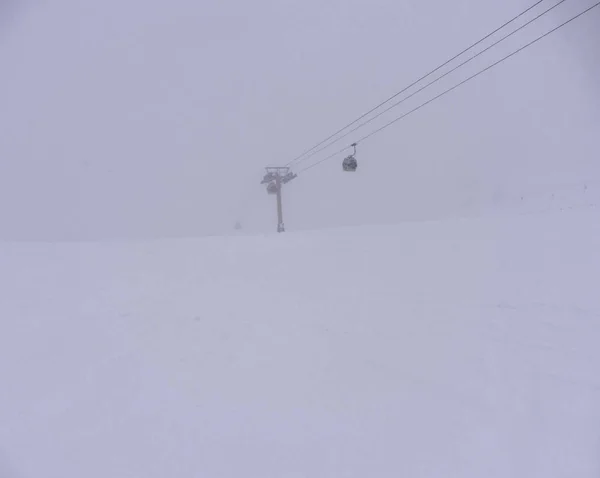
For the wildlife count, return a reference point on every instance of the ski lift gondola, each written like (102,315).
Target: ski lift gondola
(272,188)
(350,164)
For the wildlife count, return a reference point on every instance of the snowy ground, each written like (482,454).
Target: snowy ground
(464,348)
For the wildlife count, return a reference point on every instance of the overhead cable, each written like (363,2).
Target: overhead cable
(395,95)
(445,92)
(406,98)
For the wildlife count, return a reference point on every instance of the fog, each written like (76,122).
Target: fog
(143,119)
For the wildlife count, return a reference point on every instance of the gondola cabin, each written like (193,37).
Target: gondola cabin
(350,164)
(272,188)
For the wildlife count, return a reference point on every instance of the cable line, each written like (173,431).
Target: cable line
(395,95)
(398,103)
(387,125)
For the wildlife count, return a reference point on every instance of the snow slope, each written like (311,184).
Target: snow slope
(464,348)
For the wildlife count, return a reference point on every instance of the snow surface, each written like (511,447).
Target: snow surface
(463,348)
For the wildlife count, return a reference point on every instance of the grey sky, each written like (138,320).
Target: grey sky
(136,118)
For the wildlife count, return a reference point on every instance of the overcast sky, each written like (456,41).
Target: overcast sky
(145,118)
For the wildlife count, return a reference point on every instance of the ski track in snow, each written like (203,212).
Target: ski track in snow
(463,348)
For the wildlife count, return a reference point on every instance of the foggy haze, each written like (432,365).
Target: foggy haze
(410,343)
(131,118)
